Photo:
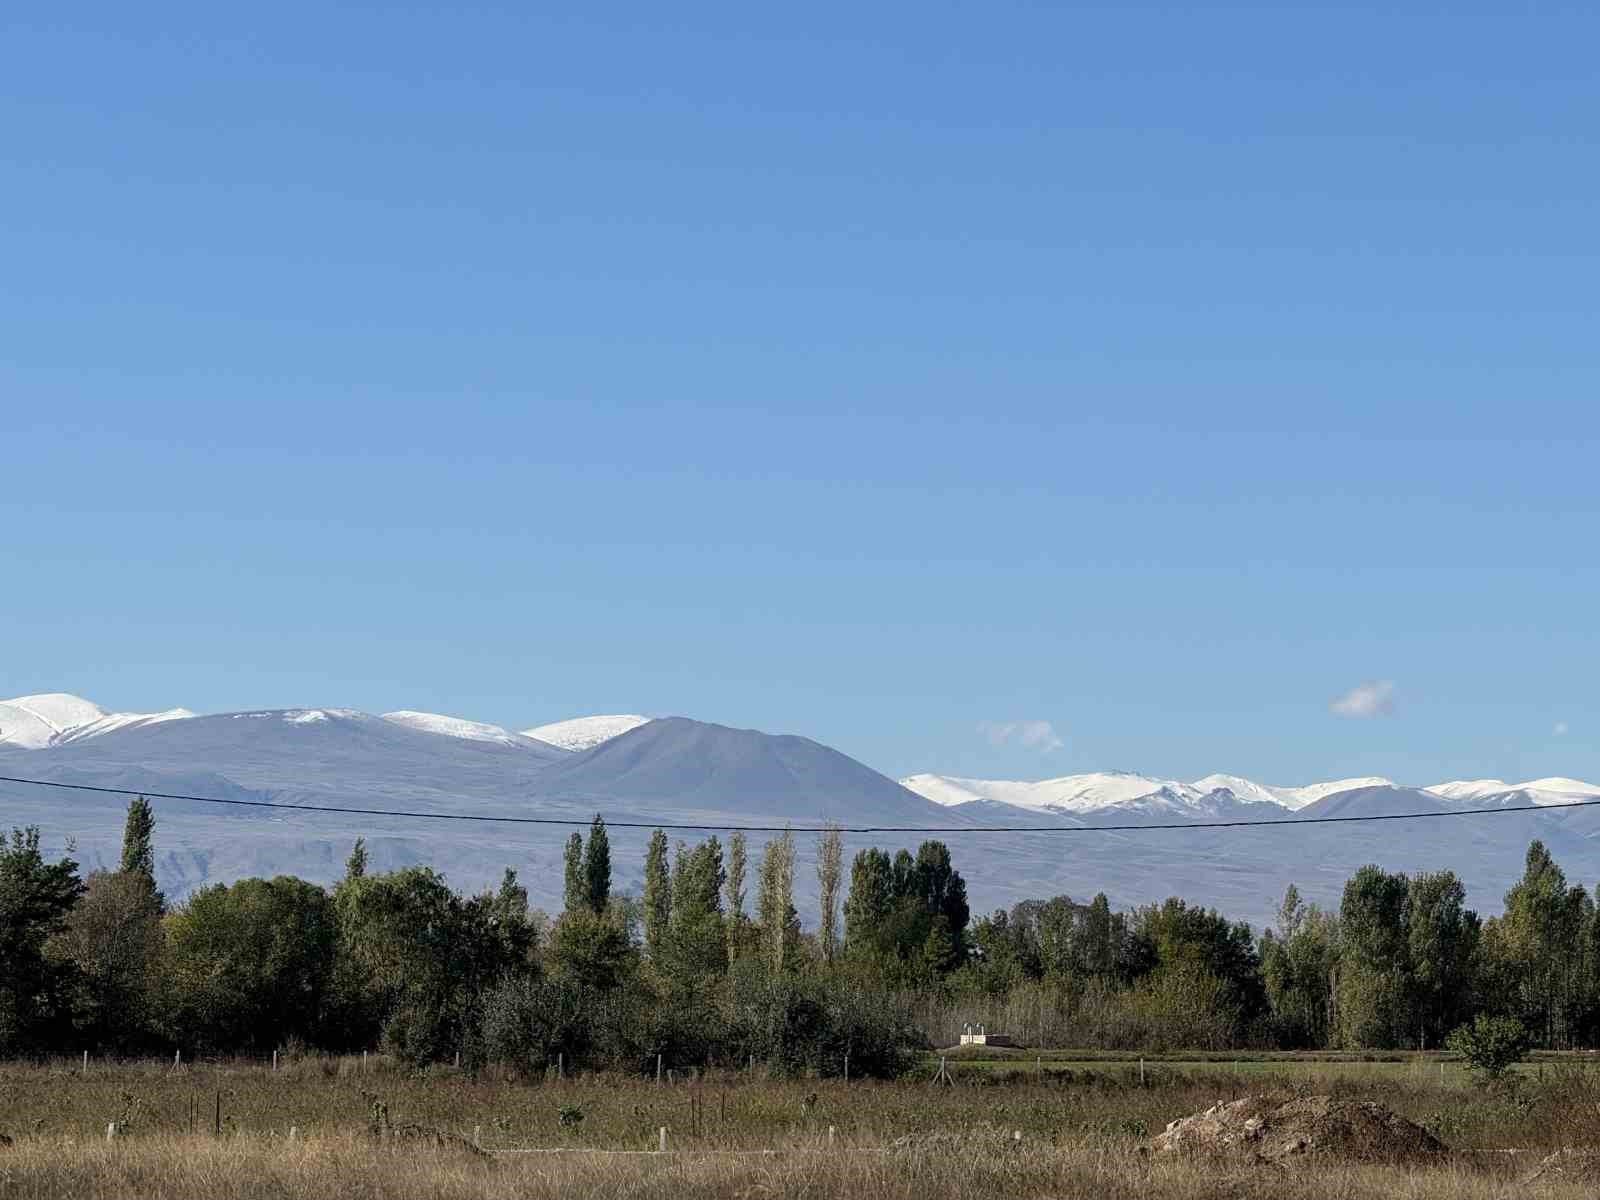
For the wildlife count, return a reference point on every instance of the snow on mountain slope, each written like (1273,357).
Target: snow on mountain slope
(1086,793)
(457,727)
(1069,793)
(1290,797)
(1553,789)
(34,722)
(584,733)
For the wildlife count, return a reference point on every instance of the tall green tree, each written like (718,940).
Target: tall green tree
(355,867)
(657,896)
(113,939)
(1373,997)
(734,892)
(36,898)
(597,867)
(868,907)
(780,924)
(1442,940)
(576,887)
(830,871)
(138,846)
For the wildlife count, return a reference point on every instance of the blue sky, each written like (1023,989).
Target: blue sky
(890,374)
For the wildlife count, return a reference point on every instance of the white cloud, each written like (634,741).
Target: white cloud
(1560,729)
(1369,700)
(1033,735)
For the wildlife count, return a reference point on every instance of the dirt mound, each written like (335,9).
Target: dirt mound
(1268,1130)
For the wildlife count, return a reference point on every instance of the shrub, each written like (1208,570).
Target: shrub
(1490,1045)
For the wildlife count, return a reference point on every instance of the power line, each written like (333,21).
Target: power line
(1132,827)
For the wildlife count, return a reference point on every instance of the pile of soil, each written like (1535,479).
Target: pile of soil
(1267,1130)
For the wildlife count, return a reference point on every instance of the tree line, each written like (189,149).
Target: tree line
(698,970)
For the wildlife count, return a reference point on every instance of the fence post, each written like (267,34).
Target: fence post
(830,1137)
(1141,1072)
(847,1066)
(291,1133)
(111,1131)
(458,1059)
(663,1147)
(658,1070)
(363,1062)
(85,1062)
(218,1128)
(561,1065)
(477,1136)
(177,1059)
(274,1060)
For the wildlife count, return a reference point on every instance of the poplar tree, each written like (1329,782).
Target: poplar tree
(780,927)
(597,867)
(830,868)
(355,867)
(575,893)
(138,851)
(657,895)
(733,892)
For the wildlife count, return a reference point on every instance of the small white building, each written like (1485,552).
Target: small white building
(978,1035)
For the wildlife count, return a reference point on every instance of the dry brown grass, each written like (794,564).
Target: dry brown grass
(1081,1137)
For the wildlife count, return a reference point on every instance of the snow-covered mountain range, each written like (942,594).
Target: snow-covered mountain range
(34,722)
(679,771)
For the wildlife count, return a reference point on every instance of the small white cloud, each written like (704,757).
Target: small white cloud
(1369,700)
(1033,735)
(1561,729)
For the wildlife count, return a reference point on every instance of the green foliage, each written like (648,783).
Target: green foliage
(138,848)
(355,867)
(657,896)
(114,943)
(597,867)
(250,965)
(1490,1045)
(575,892)
(36,899)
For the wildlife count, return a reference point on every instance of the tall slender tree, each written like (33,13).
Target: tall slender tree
(830,869)
(355,867)
(597,867)
(138,848)
(780,927)
(575,892)
(734,892)
(657,896)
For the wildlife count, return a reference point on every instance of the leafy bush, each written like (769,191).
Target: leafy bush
(1490,1045)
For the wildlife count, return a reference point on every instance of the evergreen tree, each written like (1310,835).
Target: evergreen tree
(830,865)
(138,850)
(597,867)
(576,893)
(657,895)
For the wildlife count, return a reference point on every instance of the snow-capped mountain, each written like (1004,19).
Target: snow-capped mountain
(1290,797)
(1553,789)
(1069,793)
(585,733)
(1122,789)
(457,727)
(34,722)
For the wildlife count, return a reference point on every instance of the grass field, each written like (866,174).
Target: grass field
(1082,1129)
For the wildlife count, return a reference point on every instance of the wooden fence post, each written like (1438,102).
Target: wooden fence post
(658,1070)
(274,1060)
(218,1125)
(111,1132)
(85,1062)
(1141,1072)
(663,1146)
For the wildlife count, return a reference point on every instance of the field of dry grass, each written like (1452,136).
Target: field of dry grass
(1083,1134)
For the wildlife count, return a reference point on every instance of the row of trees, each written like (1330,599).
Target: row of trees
(697,970)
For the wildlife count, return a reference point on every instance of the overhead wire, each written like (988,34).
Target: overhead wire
(712,826)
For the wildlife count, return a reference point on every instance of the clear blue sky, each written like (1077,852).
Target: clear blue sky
(866,371)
